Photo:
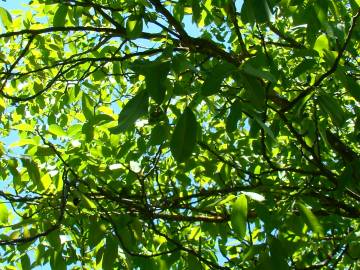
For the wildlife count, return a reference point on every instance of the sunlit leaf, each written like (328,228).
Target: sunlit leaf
(3,213)
(56,130)
(239,216)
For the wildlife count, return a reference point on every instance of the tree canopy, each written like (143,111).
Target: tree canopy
(189,134)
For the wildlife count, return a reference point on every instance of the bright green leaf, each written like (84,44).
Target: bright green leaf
(5,17)
(4,214)
(56,130)
(239,216)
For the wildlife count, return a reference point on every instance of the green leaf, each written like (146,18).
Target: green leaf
(256,72)
(183,139)
(87,106)
(25,262)
(234,117)
(33,171)
(56,130)
(332,107)
(134,26)
(254,91)
(159,134)
(193,263)
(255,10)
(304,66)
(5,17)
(238,216)
(311,219)
(96,232)
(132,111)
(58,261)
(321,44)
(351,85)
(43,151)
(278,255)
(110,253)
(267,130)
(215,77)
(155,78)
(60,16)
(4,213)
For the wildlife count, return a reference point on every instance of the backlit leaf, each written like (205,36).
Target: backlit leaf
(56,130)
(239,216)
(3,213)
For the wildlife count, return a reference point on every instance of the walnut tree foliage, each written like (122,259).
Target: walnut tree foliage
(183,134)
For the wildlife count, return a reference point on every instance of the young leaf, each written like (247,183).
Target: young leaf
(132,111)
(60,16)
(215,77)
(33,171)
(184,136)
(239,216)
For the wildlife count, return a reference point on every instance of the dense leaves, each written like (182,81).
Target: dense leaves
(192,134)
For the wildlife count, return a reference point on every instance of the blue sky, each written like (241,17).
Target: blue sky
(13,4)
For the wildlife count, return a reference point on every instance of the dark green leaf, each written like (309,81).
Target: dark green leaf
(183,139)
(234,117)
(215,77)
(110,253)
(25,262)
(332,107)
(278,257)
(132,111)
(155,78)
(193,263)
(304,66)
(60,16)
(134,26)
